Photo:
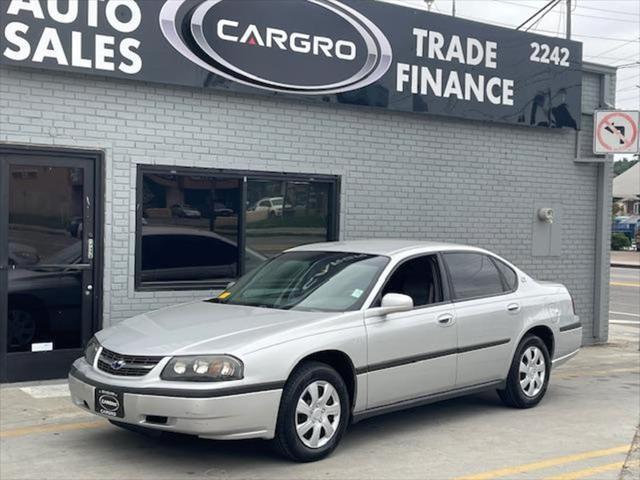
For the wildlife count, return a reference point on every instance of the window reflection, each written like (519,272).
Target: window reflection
(189,228)
(284,214)
(45,241)
(191,223)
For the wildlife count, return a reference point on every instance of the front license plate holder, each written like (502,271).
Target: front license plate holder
(109,403)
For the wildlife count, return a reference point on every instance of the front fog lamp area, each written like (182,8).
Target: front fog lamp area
(91,350)
(213,368)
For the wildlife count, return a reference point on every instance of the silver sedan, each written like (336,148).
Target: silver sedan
(327,334)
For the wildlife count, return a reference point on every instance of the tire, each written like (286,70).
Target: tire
(334,412)
(525,389)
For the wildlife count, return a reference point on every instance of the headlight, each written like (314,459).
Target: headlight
(91,350)
(203,368)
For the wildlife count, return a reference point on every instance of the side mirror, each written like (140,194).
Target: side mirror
(230,284)
(392,303)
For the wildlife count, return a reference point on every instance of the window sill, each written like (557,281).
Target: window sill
(193,287)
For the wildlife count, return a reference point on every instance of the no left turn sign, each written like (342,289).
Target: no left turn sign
(616,132)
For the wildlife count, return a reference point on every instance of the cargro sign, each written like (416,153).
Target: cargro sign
(344,51)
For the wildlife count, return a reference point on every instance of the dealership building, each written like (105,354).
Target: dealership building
(152,152)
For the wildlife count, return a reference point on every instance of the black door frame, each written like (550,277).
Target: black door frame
(96,157)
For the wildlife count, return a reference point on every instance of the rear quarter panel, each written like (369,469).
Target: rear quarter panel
(550,305)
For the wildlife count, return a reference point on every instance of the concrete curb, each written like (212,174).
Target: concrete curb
(625,265)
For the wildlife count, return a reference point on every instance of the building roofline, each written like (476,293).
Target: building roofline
(599,68)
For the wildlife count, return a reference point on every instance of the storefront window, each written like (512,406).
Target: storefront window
(284,214)
(193,234)
(189,228)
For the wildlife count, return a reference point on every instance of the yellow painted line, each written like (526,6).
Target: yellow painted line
(52,427)
(587,472)
(625,284)
(552,462)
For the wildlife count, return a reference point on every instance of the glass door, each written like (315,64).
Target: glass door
(47,260)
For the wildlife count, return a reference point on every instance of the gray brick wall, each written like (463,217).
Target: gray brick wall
(403,175)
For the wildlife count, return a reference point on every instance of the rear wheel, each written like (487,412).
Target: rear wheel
(314,413)
(528,377)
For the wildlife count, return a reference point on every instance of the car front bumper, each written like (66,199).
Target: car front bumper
(228,417)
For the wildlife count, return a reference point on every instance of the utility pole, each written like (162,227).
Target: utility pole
(453,8)
(568,20)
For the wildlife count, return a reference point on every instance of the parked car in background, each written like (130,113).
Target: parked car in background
(272,205)
(45,302)
(185,211)
(195,255)
(20,254)
(330,333)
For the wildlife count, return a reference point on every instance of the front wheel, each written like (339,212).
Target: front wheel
(314,413)
(528,377)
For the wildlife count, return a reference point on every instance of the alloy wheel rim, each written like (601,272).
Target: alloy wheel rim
(533,371)
(317,414)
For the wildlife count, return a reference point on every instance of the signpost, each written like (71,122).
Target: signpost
(616,131)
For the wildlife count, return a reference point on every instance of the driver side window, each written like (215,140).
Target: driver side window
(418,278)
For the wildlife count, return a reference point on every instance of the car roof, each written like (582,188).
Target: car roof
(388,247)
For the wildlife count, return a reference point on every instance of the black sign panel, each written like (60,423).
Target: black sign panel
(109,403)
(344,51)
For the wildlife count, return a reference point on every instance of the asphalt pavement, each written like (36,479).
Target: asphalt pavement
(624,304)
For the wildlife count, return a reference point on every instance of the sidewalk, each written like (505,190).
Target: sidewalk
(625,259)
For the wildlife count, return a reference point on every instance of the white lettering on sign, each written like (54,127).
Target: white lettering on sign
(298,42)
(424,80)
(122,17)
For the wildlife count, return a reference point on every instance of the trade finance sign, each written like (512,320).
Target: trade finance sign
(354,52)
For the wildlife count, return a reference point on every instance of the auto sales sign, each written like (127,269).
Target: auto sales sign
(354,52)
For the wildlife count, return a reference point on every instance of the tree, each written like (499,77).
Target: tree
(625,164)
(619,241)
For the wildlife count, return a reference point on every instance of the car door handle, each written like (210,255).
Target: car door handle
(445,320)
(513,307)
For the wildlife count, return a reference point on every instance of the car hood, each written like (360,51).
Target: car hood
(205,328)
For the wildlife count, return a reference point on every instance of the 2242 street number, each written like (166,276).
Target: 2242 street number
(543,53)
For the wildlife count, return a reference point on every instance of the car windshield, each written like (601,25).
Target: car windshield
(276,201)
(313,281)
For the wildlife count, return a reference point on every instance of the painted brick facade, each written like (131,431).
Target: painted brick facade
(402,175)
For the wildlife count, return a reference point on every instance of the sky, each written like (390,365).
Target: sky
(608,29)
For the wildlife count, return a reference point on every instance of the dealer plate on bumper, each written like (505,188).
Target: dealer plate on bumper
(109,403)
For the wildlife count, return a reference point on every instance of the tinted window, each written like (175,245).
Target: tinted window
(418,278)
(297,213)
(510,277)
(189,228)
(187,257)
(193,223)
(473,275)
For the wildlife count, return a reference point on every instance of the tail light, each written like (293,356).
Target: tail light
(573,304)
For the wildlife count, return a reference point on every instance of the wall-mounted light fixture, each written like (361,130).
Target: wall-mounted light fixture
(546,215)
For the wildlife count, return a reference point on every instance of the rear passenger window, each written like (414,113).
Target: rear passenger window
(473,275)
(510,277)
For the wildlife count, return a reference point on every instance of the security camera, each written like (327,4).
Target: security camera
(546,215)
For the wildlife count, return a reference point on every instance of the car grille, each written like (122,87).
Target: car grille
(133,366)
